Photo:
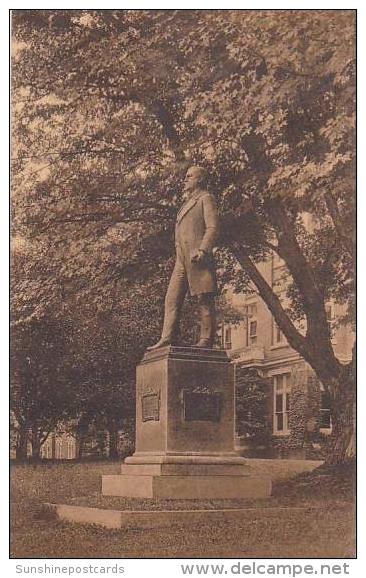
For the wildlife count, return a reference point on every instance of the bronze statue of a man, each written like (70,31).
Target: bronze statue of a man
(196,231)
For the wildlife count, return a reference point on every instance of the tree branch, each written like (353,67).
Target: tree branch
(165,118)
(294,337)
(344,237)
(300,269)
(317,352)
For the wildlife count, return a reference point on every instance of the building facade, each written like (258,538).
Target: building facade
(63,445)
(59,446)
(297,411)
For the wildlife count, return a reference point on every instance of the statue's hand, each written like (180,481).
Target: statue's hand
(198,256)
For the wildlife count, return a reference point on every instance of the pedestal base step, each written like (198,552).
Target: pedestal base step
(168,518)
(186,487)
(185,469)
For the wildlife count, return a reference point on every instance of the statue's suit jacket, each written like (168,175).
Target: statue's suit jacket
(197,227)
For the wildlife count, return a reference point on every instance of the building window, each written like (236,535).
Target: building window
(329,311)
(252,332)
(58,450)
(70,449)
(278,336)
(324,417)
(329,314)
(252,310)
(331,318)
(281,392)
(46,450)
(226,337)
(252,324)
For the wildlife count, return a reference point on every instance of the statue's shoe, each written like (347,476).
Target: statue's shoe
(203,344)
(161,343)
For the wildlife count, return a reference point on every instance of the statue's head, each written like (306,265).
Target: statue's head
(196,177)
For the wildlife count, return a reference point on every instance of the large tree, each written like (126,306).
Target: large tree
(41,394)
(111,106)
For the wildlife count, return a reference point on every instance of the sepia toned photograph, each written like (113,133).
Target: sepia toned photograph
(183,308)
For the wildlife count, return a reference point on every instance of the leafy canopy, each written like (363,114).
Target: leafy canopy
(110,106)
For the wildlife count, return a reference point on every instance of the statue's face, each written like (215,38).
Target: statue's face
(193,178)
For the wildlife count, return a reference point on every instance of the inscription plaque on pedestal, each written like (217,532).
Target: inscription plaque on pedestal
(150,405)
(201,406)
(185,432)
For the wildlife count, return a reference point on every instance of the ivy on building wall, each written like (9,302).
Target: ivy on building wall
(305,439)
(251,405)
(254,419)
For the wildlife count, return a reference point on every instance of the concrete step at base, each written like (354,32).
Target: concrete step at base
(186,487)
(185,470)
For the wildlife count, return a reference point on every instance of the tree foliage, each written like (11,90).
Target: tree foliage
(251,405)
(111,106)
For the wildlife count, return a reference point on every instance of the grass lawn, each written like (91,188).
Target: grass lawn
(322,526)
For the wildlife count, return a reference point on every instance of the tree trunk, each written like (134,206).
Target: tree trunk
(22,442)
(80,445)
(343,414)
(81,435)
(113,441)
(36,444)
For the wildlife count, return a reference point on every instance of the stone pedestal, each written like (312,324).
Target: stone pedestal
(185,431)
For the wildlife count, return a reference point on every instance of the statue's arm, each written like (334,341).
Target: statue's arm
(211,219)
